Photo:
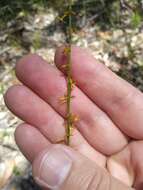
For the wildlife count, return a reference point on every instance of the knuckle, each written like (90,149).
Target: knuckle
(99,181)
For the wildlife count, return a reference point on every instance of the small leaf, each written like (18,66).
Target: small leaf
(66,50)
(63,99)
(72,83)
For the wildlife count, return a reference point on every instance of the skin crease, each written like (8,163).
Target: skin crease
(109,108)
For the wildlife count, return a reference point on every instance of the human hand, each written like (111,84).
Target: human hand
(107,140)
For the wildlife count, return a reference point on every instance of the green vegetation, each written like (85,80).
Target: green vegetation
(16,171)
(136,19)
(113,13)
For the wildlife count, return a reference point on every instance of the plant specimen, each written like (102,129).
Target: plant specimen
(70,117)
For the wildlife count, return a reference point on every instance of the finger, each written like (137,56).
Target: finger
(127,165)
(33,110)
(60,167)
(49,84)
(30,141)
(121,101)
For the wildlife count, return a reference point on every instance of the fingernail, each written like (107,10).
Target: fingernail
(54,168)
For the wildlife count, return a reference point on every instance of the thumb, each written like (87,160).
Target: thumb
(61,167)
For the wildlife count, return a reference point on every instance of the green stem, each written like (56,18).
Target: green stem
(69,85)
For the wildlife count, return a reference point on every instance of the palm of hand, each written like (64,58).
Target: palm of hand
(109,131)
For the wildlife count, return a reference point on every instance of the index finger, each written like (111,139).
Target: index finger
(120,100)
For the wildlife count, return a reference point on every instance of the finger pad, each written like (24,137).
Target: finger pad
(30,141)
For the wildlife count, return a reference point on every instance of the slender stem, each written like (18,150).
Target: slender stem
(69,85)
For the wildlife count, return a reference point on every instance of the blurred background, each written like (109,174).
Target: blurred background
(112,30)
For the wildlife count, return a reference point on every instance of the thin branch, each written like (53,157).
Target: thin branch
(69,85)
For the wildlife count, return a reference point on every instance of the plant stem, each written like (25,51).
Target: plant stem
(69,84)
